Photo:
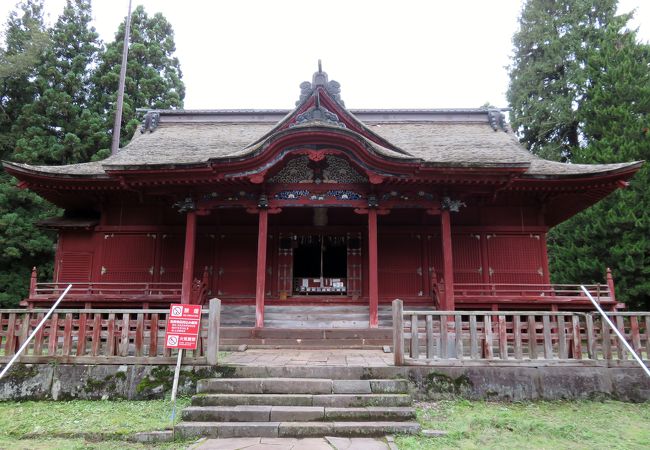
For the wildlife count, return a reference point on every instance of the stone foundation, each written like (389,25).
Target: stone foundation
(506,383)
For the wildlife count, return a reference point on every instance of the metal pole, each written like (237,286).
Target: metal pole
(616,330)
(115,145)
(31,336)
(175,384)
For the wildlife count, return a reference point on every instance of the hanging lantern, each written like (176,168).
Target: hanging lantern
(320,217)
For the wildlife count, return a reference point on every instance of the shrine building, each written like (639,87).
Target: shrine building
(320,205)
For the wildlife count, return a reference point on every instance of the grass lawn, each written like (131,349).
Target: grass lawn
(82,424)
(76,424)
(538,425)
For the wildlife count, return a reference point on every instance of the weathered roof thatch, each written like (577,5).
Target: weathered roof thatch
(445,138)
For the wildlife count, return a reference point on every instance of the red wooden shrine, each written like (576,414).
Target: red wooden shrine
(318,205)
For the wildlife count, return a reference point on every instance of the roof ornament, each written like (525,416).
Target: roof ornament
(320,79)
(497,119)
(150,121)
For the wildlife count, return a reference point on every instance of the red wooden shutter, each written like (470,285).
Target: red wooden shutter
(237,265)
(128,258)
(515,258)
(75,267)
(172,248)
(400,266)
(467,258)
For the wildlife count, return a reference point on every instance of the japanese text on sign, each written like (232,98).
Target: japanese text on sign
(183,326)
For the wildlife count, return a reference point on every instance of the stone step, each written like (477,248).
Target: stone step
(265,413)
(327,400)
(191,430)
(299,386)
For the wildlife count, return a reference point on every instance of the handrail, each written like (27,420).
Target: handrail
(31,336)
(616,330)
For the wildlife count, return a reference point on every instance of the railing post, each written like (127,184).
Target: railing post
(214,319)
(398,332)
(32,283)
(610,286)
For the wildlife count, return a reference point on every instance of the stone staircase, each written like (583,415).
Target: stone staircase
(297,407)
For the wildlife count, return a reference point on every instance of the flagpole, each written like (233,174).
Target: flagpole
(115,146)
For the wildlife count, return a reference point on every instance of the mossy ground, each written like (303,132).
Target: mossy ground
(533,425)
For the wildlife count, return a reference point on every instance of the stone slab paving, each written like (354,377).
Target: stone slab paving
(327,443)
(289,357)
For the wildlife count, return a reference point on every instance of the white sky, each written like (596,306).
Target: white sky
(385,54)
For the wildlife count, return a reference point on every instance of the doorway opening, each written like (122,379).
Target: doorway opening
(320,264)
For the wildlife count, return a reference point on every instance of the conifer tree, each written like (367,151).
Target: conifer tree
(547,78)
(580,92)
(153,76)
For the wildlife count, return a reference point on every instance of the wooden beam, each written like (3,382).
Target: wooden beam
(373,268)
(188,256)
(448,262)
(261,267)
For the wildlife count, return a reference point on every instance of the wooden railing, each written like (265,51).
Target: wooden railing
(528,295)
(101,336)
(108,289)
(126,294)
(426,337)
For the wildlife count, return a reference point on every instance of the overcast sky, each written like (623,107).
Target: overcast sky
(385,54)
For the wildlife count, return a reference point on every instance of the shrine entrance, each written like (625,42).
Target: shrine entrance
(318,263)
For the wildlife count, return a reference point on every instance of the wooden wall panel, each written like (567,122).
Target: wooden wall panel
(401,272)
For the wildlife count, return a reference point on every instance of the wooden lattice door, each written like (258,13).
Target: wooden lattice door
(285,264)
(355,265)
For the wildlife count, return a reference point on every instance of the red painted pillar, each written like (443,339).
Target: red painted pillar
(261,267)
(447,260)
(188,256)
(373,268)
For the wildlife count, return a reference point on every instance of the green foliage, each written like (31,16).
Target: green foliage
(58,127)
(561,424)
(57,90)
(593,109)
(153,75)
(25,41)
(22,244)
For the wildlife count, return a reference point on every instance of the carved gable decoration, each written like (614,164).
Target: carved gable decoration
(295,171)
(331,169)
(339,170)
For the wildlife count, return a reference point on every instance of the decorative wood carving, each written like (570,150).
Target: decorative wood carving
(318,167)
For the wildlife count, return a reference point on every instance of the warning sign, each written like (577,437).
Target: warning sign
(183,326)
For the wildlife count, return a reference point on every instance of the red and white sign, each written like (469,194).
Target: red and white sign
(183,326)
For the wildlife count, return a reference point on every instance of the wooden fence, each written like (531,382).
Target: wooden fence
(426,337)
(103,336)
